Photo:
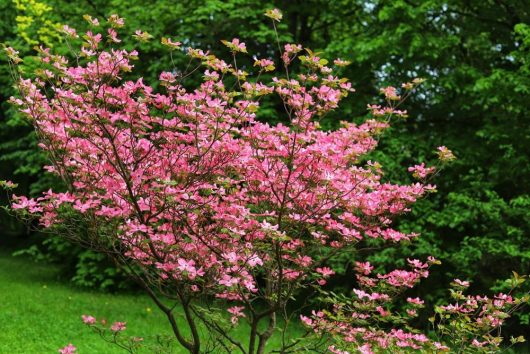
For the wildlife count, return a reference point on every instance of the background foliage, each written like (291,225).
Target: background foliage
(474,53)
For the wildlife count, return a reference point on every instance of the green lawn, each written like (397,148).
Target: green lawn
(38,314)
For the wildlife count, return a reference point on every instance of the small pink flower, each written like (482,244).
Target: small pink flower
(118,326)
(382,311)
(89,320)
(363,268)
(340,62)
(113,35)
(264,63)
(420,171)
(239,45)
(69,349)
(390,93)
(292,48)
(415,301)
(432,260)
(306,320)
(417,264)
(477,344)
(365,349)
(70,31)
(167,77)
(142,36)
(463,283)
(444,154)
(8,184)
(91,20)
(440,346)
(116,21)
(236,45)
(171,44)
(93,39)
(325,271)
(237,312)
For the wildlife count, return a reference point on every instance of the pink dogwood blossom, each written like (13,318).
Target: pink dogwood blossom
(118,326)
(69,349)
(89,320)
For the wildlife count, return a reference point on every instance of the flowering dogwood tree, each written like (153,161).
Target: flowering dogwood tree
(203,204)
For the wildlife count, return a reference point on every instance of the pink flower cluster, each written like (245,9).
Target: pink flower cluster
(420,171)
(69,349)
(191,179)
(353,324)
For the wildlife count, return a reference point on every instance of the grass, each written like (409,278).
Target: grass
(39,313)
